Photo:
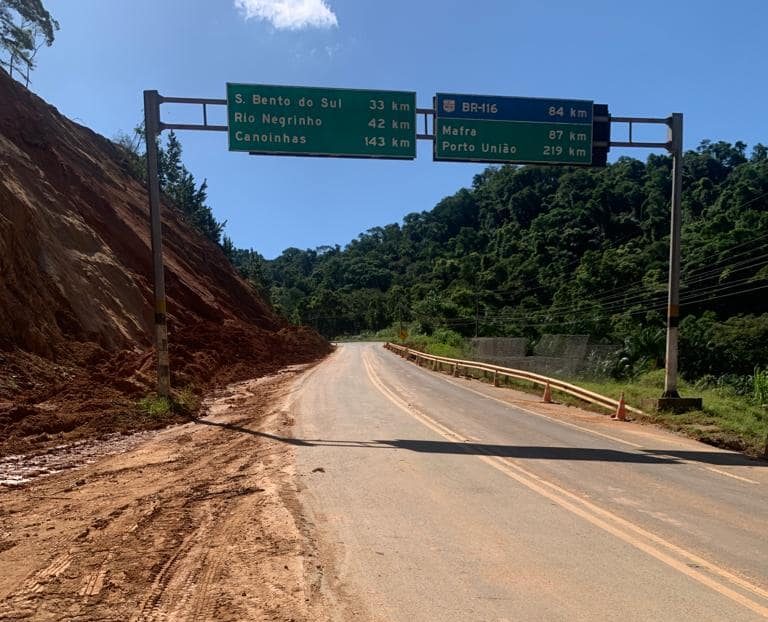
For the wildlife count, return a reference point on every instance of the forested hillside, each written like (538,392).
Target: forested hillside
(533,250)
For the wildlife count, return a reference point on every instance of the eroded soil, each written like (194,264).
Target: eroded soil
(194,522)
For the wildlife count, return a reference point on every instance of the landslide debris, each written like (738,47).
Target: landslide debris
(75,289)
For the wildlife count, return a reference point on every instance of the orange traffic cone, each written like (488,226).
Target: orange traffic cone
(547,394)
(621,410)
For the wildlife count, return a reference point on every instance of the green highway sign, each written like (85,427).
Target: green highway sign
(307,121)
(476,128)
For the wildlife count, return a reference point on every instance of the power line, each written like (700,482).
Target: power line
(714,265)
(652,303)
(617,294)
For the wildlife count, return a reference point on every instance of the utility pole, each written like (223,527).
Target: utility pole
(152,131)
(675,137)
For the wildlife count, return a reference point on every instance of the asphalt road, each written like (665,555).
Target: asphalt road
(446,499)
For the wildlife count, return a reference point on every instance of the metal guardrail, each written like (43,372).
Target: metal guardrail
(455,365)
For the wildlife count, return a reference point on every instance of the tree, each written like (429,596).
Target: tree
(759,153)
(177,184)
(25,27)
(534,250)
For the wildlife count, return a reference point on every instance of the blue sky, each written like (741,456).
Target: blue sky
(704,58)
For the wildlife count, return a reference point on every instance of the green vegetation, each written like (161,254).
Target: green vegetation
(532,250)
(184,402)
(155,407)
(25,27)
(527,251)
(177,184)
(760,387)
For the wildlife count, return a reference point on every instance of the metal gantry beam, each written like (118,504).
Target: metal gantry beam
(154,126)
(197,101)
(428,113)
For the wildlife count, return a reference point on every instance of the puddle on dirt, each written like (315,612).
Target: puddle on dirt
(20,469)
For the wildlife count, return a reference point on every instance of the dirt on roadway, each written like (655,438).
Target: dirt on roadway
(199,522)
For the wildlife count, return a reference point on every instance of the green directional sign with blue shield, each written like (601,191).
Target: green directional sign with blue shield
(478,128)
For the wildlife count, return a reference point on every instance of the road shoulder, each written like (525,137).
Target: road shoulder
(201,521)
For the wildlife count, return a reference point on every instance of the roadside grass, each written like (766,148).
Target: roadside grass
(154,406)
(440,349)
(161,410)
(726,420)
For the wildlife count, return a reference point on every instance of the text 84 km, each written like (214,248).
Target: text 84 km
(570,112)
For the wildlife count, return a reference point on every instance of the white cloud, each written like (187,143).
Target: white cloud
(289,14)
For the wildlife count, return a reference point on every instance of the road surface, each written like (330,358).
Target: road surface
(366,488)
(437,498)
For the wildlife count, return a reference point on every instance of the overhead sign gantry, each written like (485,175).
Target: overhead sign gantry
(310,121)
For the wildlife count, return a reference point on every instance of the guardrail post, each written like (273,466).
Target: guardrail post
(495,377)
(455,370)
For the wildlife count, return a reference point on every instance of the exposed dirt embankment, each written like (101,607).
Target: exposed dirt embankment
(75,288)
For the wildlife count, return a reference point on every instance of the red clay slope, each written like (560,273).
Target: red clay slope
(75,286)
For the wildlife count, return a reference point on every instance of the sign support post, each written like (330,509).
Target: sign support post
(151,132)
(675,134)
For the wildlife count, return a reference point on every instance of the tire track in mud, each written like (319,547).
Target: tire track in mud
(181,587)
(190,526)
(24,602)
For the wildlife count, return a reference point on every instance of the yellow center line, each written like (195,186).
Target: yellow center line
(612,523)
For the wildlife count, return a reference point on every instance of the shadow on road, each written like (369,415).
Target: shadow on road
(643,456)
(526,452)
(242,430)
(529,452)
(710,457)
